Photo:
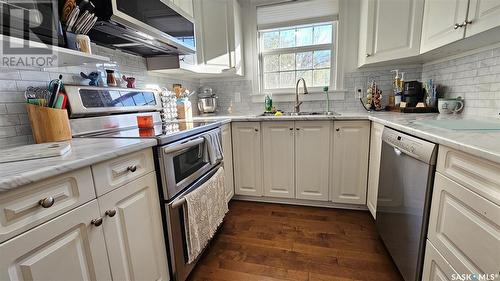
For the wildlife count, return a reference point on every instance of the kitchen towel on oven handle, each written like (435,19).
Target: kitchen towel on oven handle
(212,147)
(205,209)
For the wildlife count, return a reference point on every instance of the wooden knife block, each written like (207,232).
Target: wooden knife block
(48,124)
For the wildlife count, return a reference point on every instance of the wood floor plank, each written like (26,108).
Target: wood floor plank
(261,241)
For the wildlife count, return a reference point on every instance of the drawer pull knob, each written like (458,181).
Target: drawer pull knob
(110,213)
(338,129)
(47,202)
(96,222)
(132,168)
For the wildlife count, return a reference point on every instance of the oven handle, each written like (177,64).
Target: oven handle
(184,145)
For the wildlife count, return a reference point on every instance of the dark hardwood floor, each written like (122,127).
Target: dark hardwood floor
(261,241)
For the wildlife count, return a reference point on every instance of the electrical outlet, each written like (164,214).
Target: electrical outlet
(237,97)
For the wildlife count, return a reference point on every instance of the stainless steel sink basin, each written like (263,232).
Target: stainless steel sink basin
(304,113)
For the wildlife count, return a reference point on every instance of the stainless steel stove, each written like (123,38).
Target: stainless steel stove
(179,161)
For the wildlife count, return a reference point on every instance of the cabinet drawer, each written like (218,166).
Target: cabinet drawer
(436,268)
(464,227)
(113,173)
(21,209)
(479,175)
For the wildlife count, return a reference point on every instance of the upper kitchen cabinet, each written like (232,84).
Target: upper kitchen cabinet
(483,15)
(219,42)
(446,22)
(389,30)
(442,23)
(186,6)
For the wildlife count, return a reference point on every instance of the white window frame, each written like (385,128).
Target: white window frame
(332,47)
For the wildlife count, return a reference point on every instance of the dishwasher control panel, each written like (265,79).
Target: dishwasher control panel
(410,145)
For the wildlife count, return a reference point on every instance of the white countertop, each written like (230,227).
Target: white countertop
(84,152)
(484,144)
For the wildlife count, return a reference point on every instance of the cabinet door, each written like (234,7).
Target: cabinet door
(464,227)
(212,24)
(247,158)
(133,231)
(436,268)
(227,148)
(440,18)
(68,247)
(186,6)
(351,140)
(391,30)
(312,159)
(483,15)
(374,166)
(278,159)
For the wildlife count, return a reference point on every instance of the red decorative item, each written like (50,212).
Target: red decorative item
(130,81)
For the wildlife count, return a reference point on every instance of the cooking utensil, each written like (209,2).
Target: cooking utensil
(73,16)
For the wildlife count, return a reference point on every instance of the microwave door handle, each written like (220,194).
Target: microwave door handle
(184,145)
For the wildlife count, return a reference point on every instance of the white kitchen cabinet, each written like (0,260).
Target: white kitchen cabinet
(483,15)
(247,149)
(464,227)
(219,42)
(351,140)
(389,30)
(227,148)
(133,231)
(440,18)
(312,159)
(185,5)
(278,159)
(374,166)
(68,247)
(436,268)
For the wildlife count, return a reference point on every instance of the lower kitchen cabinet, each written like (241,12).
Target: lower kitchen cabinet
(133,231)
(227,148)
(68,247)
(312,159)
(436,268)
(351,140)
(278,159)
(247,158)
(374,166)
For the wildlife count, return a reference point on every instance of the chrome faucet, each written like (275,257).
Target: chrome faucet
(297,103)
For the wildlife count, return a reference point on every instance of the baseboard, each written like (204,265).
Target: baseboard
(311,203)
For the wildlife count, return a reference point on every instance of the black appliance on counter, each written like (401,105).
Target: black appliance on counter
(412,93)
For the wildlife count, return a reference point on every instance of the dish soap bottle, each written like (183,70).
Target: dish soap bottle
(399,90)
(268,103)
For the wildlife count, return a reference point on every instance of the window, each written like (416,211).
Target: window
(287,54)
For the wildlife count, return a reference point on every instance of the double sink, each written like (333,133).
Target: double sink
(304,113)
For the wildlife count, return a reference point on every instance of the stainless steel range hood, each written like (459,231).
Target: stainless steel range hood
(147,28)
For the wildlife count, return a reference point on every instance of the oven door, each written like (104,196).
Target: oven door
(177,233)
(182,164)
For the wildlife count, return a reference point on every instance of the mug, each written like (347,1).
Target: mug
(448,106)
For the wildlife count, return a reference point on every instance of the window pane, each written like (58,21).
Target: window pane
(322,59)
(304,60)
(287,62)
(307,75)
(287,38)
(304,36)
(271,63)
(321,77)
(287,79)
(323,34)
(271,80)
(271,39)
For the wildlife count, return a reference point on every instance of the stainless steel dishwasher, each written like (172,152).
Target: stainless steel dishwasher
(407,166)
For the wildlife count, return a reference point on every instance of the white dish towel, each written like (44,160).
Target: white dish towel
(212,147)
(205,209)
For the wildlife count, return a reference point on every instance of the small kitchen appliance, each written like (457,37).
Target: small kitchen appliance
(207,100)
(412,93)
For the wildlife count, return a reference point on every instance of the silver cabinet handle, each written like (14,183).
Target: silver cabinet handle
(467,22)
(132,168)
(47,202)
(96,222)
(458,25)
(338,129)
(368,55)
(110,213)
(256,129)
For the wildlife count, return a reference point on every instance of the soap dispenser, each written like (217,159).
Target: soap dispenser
(395,85)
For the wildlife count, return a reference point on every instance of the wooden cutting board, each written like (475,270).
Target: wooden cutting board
(34,151)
